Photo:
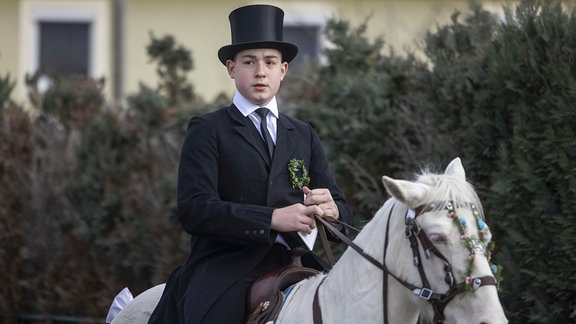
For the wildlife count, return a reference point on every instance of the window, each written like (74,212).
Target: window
(64,37)
(307,38)
(304,26)
(64,48)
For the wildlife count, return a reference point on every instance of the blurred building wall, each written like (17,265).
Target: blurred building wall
(121,31)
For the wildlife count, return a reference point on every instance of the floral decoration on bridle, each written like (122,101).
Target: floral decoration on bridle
(474,245)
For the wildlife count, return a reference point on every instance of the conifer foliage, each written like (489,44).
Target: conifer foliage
(88,191)
(534,186)
(368,111)
(500,92)
(507,91)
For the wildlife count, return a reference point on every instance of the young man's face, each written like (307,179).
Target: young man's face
(258,74)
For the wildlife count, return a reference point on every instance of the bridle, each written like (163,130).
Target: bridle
(416,237)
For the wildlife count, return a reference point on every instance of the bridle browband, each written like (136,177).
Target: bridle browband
(416,236)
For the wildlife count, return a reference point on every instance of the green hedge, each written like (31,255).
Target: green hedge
(88,191)
(499,94)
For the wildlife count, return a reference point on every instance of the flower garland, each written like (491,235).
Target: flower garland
(298,174)
(474,246)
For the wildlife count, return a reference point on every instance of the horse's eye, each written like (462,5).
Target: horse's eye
(437,238)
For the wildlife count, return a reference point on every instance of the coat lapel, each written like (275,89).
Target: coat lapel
(285,144)
(285,140)
(245,127)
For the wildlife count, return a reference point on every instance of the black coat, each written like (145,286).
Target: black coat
(227,190)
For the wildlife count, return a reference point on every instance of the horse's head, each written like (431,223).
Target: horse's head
(444,260)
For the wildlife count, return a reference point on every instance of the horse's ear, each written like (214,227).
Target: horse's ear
(408,192)
(456,169)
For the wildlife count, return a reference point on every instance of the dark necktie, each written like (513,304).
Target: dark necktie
(263,112)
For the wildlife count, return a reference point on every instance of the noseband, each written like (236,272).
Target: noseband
(416,237)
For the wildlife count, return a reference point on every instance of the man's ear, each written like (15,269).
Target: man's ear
(284,68)
(230,65)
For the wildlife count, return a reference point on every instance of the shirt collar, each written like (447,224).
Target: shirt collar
(246,107)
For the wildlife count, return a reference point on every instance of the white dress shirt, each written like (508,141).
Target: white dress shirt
(249,109)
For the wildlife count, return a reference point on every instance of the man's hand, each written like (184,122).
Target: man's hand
(321,198)
(297,217)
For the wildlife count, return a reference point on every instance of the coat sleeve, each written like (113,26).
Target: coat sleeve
(201,210)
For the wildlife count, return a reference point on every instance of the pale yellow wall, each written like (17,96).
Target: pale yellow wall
(403,24)
(203,27)
(18,36)
(200,26)
(9,38)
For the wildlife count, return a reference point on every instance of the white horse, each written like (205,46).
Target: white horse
(422,258)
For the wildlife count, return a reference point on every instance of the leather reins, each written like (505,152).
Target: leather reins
(415,235)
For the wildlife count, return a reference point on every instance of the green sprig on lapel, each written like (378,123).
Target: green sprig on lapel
(298,174)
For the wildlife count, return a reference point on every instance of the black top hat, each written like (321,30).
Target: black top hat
(257,26)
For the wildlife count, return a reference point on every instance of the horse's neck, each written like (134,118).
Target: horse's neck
(352,291)
(356,285)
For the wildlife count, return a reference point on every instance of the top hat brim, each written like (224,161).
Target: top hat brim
(228,52)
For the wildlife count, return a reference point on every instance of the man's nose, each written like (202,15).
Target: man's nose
(260,69)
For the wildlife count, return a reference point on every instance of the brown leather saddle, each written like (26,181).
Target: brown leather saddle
(265,297)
